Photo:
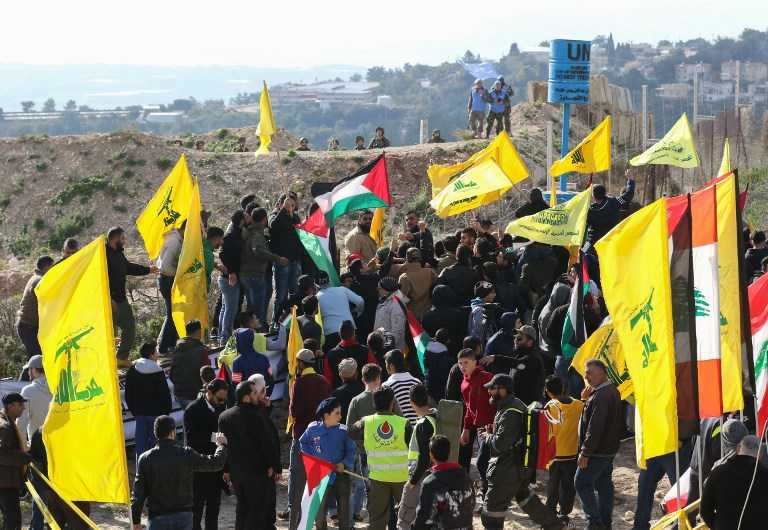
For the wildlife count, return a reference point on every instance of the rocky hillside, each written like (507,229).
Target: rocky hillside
(53,188)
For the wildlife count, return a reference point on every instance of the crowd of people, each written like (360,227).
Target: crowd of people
(493,305)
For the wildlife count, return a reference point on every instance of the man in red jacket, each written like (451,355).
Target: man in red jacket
(309,390)
(479,412)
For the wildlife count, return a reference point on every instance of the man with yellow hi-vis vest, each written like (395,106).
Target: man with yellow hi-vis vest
(385,438)
(507,478)
(418,456)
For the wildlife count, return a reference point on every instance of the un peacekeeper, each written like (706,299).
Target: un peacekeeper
(506,476)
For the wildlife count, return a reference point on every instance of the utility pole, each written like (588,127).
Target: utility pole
(550,179)
(738,84)
(645,117)
(695,94)
(423,131)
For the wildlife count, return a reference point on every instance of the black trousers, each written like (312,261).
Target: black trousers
(9,505)
(256,502)
(560,488)
(207,498)
(168,335)
(28,337)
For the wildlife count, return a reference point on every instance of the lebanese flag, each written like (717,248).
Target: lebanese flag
(366,188)
(758,314)
(706,298)
(318,474)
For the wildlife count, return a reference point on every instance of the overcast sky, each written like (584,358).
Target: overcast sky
(360,32)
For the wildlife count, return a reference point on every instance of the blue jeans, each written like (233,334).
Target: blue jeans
(596,477)
(286,280)
(171,521)
(359,492)
(656,468)
(144,435)
(255,287)
(230,298)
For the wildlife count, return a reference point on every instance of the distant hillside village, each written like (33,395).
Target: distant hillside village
(725,74)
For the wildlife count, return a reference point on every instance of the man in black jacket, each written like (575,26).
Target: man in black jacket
(534,205)
(725,491)
(147,396)
(201,421)
(447,499)
(605,212)
(285,242)
(118,267)
(164,478)
(189,356)
(600,431)
(254,462)
(524,364)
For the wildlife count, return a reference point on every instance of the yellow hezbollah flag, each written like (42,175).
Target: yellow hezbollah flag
(377,226)
(604,345)
(295,343)
(677,148)
(189,294)
(592,155)
(266,127)
(501,150)
(725,164)
(481,184)
(730,306)
(562,225)
(84,428)
(634,268)
(167,209)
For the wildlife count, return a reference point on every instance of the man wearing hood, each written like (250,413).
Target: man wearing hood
(445,313)
(249,361)
(147,396)
(605,211)
(359,240)
(480,325)
(390,314)
(189,356)
(503,341)
(535,204)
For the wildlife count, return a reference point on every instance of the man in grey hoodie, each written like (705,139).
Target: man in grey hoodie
(38,397)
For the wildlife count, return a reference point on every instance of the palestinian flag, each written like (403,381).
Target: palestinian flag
(420,337)
(574,330)
(318,248)
(318,474)
(758,313)
(366,188)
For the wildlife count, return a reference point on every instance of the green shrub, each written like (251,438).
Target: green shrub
(163,163)
(222,133)
(291,152)
(120,207)
(38,224)
(69,226)
(127,174)
(83,188)
(207,161)
(21,247)
(135,162)
(42,166)
(12,356)
(34,156)
(5,200)
(225,145)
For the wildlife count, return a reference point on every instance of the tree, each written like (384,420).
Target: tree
(470,57)
(70,106)
(84,108)
(376,74)
(27,106)
(544,44)
(49,105)
(513,49)
(355,78)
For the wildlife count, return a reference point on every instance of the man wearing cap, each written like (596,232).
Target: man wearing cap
(38,397)
(476,107)
(497,97)
(390,313)
(201,422)
(507,102)
(27,321)
(309,390)
(359,240)
(436,138)
(327,439)
(524,364)
(13,460)
(350,386)
(254,458)
(416,282)
(506,474)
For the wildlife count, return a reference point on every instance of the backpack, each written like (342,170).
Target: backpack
(528,445)
(450,415)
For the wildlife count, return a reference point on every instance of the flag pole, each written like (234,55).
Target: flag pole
(677,480)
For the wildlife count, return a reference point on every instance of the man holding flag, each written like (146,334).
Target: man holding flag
(605,211)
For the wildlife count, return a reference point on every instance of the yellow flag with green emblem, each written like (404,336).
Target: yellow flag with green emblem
(189,294)
(634,269)
(562,225)
(677,148)
(592,155)
(605,346)
(725,163)
(377,226)
(266,128)
(167,209)
(479,185)
(83,432)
